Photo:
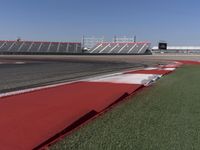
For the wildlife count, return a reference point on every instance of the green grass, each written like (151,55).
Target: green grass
(163,117)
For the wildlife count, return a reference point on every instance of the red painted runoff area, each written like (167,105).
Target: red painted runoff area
(189,62)
(31,119)
(154,71)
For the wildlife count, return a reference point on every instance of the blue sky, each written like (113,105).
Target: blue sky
(175,21)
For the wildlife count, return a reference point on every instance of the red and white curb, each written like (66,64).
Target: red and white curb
(144,77)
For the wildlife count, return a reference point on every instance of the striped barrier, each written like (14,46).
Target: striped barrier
(34,118)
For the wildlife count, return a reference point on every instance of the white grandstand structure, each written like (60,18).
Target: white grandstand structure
(120,48)
(39,47)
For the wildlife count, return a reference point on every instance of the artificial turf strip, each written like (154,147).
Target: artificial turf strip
(165,117)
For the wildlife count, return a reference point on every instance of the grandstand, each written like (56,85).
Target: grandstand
(12,47)
(121,48)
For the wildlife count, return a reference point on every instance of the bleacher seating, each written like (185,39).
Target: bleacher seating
(63,47)
(39,47)
(120,48)
(15,46)
(54,47)
(34,47)
(1,43)
(44,47)
(25,47)
(6,46)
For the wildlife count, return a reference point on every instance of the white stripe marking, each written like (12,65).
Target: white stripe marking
(104,48)
(30,90)
(96,48)
(151,68)
(141,48)
(113,48)
(132,48)
(129,79)
(169,69)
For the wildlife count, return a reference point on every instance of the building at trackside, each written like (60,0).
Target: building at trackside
(178,49)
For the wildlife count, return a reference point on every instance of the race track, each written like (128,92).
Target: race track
(45,70)
(36,73)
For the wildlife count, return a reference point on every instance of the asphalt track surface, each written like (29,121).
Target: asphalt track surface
(39,72)
(47,70)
